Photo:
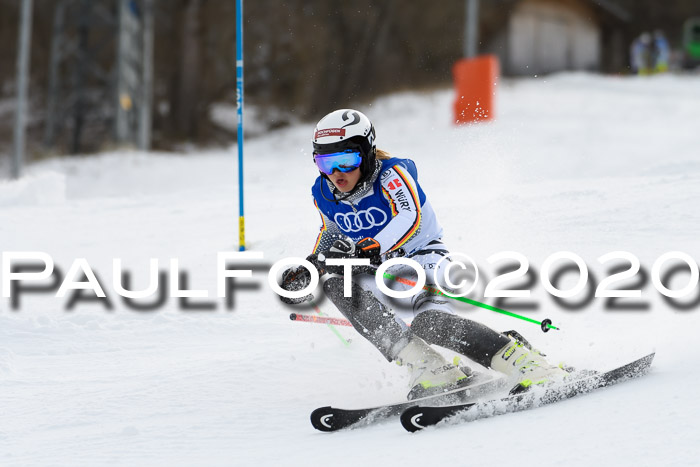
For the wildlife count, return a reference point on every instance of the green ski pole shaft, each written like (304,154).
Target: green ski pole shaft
(545,324)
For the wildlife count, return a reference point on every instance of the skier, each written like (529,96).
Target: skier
(641,55)
(662,52)
(372,206)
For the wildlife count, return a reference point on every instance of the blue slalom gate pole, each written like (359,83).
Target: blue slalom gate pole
(239,105)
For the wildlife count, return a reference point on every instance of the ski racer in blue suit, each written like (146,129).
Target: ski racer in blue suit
(372,206)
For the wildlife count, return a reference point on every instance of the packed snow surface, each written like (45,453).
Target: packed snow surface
(573,162)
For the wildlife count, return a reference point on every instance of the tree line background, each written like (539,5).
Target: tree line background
(302,57)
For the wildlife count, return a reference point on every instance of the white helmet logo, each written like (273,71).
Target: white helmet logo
(357,221)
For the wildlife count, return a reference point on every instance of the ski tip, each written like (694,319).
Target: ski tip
(648,358)
(322,419)
(411,419)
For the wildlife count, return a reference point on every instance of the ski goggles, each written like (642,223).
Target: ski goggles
(343,161)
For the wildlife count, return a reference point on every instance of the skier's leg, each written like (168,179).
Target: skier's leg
(435,320)
(437,324)
(370,317)
(474,340)
(430,373)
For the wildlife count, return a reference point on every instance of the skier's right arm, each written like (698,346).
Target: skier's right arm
(298,277)
(327,235)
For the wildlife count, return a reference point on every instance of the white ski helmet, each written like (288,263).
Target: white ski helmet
(347,129)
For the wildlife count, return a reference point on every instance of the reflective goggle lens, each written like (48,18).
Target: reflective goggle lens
(343,161)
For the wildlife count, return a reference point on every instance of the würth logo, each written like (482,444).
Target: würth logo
(330,132)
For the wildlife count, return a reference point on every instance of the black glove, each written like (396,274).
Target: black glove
(369,248)
(342,248)
(298,278)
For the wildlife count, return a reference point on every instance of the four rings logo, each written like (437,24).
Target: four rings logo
(356,221)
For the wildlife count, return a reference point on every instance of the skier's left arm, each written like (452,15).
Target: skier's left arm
(401,191)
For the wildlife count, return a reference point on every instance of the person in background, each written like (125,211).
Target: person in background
(662,52)
(641,54)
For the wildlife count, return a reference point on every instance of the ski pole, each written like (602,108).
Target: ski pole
(545,324)
(320,319)
(330,325)
(340,321)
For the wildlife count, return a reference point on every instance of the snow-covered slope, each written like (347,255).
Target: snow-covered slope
(573,162)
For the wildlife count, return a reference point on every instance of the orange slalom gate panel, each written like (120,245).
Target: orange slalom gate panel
(475,83)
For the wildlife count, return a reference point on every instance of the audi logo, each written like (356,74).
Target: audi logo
(356,221)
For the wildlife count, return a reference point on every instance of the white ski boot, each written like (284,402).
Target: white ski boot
(431,374)
(525,366)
